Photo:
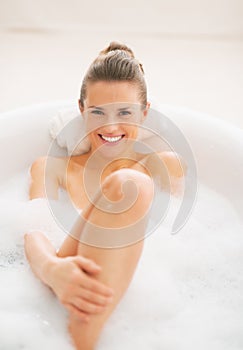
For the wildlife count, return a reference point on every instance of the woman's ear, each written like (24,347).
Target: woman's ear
(81,107)
(145,111)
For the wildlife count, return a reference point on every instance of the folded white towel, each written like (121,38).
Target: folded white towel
(68,129)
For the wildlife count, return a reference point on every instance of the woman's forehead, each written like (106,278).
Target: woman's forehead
(116,106)
(104,92)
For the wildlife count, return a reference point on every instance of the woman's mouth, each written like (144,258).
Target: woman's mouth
(111,139)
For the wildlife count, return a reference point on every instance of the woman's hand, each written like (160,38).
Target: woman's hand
(73,281)
(73,278)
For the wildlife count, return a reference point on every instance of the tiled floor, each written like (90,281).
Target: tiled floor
(201,72)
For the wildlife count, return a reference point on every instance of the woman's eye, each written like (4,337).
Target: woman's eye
(97,112)
(124,113)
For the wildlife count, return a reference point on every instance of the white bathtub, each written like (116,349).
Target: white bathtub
(218,150)
(217,145)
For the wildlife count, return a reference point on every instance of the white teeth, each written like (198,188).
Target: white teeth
(111,139)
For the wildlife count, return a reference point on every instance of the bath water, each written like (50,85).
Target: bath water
(186,294)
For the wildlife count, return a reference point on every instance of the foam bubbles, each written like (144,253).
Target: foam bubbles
(186,292)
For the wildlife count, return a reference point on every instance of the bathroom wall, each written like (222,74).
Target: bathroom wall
(192,50)
(174,16)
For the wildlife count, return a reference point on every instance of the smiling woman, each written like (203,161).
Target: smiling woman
(112,185)
(116,122)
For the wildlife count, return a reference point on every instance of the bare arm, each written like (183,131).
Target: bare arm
(44,179)
(169,168)
(67,275)
(40,253)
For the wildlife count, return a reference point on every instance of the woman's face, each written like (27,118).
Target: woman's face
(112,112)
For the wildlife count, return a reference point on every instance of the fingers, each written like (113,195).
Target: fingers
(79,313)
(95,298)
(85,301)
(81,293)
(88,265)
(96,287)
(89,283)
(83,308)
(86,307)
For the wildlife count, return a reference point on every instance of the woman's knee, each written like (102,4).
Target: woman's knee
(124,202)
(130,183)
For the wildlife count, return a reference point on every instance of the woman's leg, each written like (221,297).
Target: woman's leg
(118,264)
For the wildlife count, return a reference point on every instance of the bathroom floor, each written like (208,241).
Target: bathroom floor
(202,72)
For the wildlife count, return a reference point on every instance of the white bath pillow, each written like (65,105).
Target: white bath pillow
(67,127)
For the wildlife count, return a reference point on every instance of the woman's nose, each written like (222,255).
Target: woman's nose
(110,128)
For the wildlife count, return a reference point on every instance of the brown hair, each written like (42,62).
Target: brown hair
(116,63)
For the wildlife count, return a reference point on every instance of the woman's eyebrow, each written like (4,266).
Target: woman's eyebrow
(96,107)
(119,109)
(123,108)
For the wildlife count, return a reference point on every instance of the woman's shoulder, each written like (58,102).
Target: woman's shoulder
(58,167)
(168,159)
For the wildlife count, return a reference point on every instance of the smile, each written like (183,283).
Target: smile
(111,139)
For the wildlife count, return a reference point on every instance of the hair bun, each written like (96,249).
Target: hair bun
(114,45)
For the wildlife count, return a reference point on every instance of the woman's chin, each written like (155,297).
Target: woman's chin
(115,149)
(111,152)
